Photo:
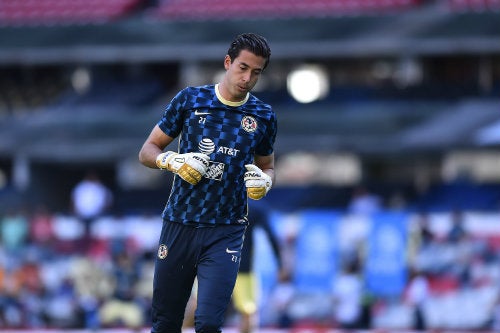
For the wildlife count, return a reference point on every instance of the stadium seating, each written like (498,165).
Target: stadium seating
(18,94)
(227,9)
(465,196)
(34,12)
(474,5)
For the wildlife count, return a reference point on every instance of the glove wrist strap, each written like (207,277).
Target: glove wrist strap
(163,160)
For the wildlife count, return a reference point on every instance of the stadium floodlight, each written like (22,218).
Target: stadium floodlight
(409,72)
(81,80)
(308,83)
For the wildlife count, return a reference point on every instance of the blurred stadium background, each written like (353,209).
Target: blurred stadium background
(389,121)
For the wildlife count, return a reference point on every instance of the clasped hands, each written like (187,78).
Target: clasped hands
(192,166)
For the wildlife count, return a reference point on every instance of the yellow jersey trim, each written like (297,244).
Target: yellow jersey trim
(229,103)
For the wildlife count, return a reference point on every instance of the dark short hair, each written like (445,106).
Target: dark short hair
(251,42)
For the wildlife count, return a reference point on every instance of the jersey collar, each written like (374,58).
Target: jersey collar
(225,101)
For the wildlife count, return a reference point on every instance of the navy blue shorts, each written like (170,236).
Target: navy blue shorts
(213,255)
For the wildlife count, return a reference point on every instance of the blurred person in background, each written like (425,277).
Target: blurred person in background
(463,247)
(14,230)
(245,294)
(420,237)
(364,202)
(281,300)
(143,290)
(90,199)
(457,231)
(225,156)
(92,284)
(122,308)
(282,296)
(41,231)
(62,307)
(348,296)
(20,292)
(417,294)
(11,308)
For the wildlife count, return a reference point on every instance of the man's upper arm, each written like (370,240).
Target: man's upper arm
(153,146)
(159,138)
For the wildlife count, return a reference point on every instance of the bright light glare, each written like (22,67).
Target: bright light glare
(81,80)
(308,84)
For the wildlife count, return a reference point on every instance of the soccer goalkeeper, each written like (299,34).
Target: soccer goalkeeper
(225,155)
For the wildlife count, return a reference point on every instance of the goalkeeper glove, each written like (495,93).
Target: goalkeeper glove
(258,183)
(190,167)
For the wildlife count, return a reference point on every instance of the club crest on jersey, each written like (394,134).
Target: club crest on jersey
(162,251)
(249,124)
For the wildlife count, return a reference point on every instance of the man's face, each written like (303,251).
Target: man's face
(242,74)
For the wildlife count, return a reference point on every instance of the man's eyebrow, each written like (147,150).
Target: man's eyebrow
(247,65)
(243,63)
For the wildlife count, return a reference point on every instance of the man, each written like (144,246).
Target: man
(225,155)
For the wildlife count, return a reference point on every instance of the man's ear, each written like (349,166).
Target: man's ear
(227,61)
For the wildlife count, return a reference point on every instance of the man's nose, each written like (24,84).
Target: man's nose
(246,77)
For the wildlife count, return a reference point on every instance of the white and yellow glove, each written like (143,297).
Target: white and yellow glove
(190,167)
(258,183)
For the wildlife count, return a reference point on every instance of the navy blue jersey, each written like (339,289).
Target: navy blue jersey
(230,134)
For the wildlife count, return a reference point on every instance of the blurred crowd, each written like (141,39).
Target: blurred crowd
(95,271)
(452,280)
(83,269)
(53,275)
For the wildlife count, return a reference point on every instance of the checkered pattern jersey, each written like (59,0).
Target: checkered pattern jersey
(230,135)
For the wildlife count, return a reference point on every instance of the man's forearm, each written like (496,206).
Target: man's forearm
(148,154)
